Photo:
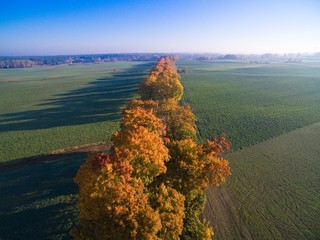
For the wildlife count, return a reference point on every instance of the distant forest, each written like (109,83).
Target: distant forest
(30,61)
(26,62)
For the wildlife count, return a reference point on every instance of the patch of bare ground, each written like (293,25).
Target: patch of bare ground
(53,156)
(221,213)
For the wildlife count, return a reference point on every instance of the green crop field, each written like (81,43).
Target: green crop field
(251,102)
(47,108)
(274,190)
(39,201)
(272,193)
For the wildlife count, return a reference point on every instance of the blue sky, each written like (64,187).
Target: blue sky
(47,27)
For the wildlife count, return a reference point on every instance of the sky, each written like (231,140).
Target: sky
(57,27)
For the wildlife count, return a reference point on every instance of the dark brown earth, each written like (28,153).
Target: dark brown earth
(53,156)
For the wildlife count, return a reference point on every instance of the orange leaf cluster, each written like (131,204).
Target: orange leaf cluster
(163,82)
(113,205)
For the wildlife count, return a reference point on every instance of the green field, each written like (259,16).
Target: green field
(272,194)
(251,102)
(47,108)
(39,201)
(43,109)
(274,190)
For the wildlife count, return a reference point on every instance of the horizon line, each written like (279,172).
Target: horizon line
(162,53)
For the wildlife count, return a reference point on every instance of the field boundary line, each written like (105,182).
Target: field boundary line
(53,156)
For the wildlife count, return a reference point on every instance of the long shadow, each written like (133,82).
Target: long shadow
(100,100)
(39,201)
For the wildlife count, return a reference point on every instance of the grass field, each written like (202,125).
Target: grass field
(273,192)
(251,102)
(47,108)
(39,201)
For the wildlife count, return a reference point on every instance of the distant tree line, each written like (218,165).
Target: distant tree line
(151,184)
(16,63)
(26,62)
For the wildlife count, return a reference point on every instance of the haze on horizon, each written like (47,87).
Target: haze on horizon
(87,27)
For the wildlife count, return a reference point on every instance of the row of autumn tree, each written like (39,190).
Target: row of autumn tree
(151,184)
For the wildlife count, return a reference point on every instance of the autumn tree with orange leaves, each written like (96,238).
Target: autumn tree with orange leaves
(151,184)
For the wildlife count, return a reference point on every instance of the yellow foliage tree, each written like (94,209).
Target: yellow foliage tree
(162,83)
(140,140)
(112,204)
(152,182)
(170,204)
(179,120)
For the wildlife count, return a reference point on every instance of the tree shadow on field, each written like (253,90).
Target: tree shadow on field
(100,100)
(39,201)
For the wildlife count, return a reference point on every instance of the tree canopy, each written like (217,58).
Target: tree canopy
(151,184)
